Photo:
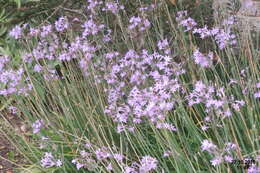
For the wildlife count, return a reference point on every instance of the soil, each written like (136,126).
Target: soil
(7,151)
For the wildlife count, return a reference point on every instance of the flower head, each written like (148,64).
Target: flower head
(148,163)
(61,24)
(216,161)
(16,32)
(201,59)
(37,126)
(208,146)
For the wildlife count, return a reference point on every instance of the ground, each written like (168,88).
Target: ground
(7,151)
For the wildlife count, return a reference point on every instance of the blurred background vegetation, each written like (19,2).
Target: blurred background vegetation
(39,12)
(35,13)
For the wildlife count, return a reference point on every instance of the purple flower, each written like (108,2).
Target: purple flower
(203,60)
(208,146)
(204,32)
(16,32)
(34,32)
(61,24)
(164,45)
(91,28)
(128,169)
(101,154)
(93,5)
(166,126)
(228,158)
(37,68)
(37,126)
(138,22)
(238,104)
(258,85)
(13,109)
(253,169)
(214,31)
(229,21)
(181,15)
(77,163)
(148,163)
(48,161)
(64,56)
(59,163)
(204,128)
(147,8)
(109,167)
(216,160)
(189,23)
(46,30)
(113,7)
(118,157)
(257,94)
(225,38)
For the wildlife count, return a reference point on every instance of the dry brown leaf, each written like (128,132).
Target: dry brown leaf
(173,2)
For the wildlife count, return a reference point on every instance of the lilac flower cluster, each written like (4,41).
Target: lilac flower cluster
(13,109)
(147,8)
(46,30)
(45,49)
(253,169)
(257,93)
(33,32)
(85,161)
(140,104)
(139,23)
(37,126)
(205,32)
(148,164)
(164,45)
(91,27)
(91,158)
(16,32)
(203,60)
(113,7)
(224,38)
(49,161)
(94,6)
(215,100)
(189,23)
(219,155)
(222,35)
(12,81)
(61,24)
(53,49)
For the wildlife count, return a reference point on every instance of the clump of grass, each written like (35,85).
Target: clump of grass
(144,89)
